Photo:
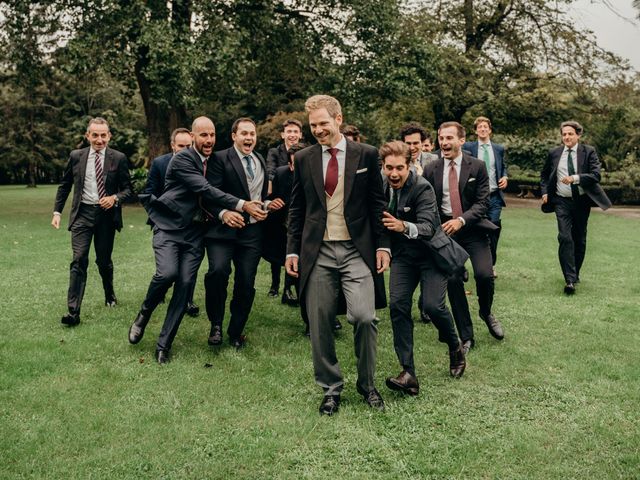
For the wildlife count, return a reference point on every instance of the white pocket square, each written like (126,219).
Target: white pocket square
(362,170)
(406,209)
(471,180)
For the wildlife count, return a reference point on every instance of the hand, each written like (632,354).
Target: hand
(383,259)
(452,226)
(545,198)
(568,180)
(55,222)
(502,183)
(108,202)
(275,204)
(291,266)
(233,219)
(270,188)
(392,223)
(254,208)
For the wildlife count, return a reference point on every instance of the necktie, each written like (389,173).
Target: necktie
(331,178)
(485,156)
(393,204)
(572,171)
(204,166)
(454,192)
(99,177)
(247,159)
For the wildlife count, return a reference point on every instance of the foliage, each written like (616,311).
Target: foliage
(139,179)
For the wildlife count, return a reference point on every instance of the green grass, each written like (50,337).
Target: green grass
(558,398)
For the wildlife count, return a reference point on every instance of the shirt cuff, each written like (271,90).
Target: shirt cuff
(293,255)
(462,221)
(222,213)
(388,250)
(57,213)
(576,179)
(240,205)
(413,230)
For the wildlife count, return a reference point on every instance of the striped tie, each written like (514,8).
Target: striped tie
(100,177)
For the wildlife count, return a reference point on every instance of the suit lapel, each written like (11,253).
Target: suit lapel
(438,172)
(106,166)
(464,173)
(352,160)
(82,165)
(236,163)
(581,158)
(317,175)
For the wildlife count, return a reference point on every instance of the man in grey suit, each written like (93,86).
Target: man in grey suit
(336,239)
(100,179)
(570,183)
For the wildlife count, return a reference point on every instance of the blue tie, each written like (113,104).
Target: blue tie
(247,158)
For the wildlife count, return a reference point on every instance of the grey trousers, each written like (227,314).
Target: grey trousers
(339,265)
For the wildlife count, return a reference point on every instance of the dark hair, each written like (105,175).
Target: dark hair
(352,131)
(573,124)
(427,136)
(177,131)
(462,133)
(411,128)
(296,147)
(291,121)
(396,147)
(234,127)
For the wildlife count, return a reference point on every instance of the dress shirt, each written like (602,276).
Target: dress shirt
(255,185)
(90,194)
(563,171)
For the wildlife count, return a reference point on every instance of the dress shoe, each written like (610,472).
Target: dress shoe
(405,382)
(192,309)
(162,356)
(307,333)
(238,342)
(110,300)
(457,362)
(337,326)
(495,328)
(70,319)
(494,274)
(468,345)
(330,404)
(290,298)
(373,398)
(425,317)
(570,288)
(215,336)
(136,331)
(273,292)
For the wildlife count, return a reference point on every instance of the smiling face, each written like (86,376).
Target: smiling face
(570,137)
(291,135)
(244,137)
(98,136)
(415,144)
(203,133)
(427,146)
(324,127)
(483,131)
(450,142)
(396,169)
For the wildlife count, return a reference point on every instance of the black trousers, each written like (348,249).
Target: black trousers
(572,216)
(476,243)
(244,252)
(178,256)
(92,223)
(406,274)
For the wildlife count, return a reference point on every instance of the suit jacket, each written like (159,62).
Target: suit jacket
(588,171)
(157,173)
(186,190)
(227,173)
(364,203)
(473,185)
(275,231)
(499,157)
(116,182)
(276,157)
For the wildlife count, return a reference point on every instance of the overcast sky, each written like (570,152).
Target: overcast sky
(618,35)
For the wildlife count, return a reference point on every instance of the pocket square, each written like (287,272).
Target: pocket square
(362,170)
(471,180)
(406,209)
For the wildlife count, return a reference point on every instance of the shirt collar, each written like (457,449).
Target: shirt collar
(242,155)
(202,157)
(341,145)
(488,142)
(457,160)
(573,149)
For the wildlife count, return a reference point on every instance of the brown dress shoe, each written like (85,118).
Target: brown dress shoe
(494,326)
(404,382)
(457,362)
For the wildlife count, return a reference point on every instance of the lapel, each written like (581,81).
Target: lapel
(581,158)
(438,172)
(556,160)
(317,175)
(352,160)
(197,160)
(405,192)
(236,163)
(465,171)
(82,164)
(106,166)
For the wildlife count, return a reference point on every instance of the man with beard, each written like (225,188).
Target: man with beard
(336,240)
(461,184)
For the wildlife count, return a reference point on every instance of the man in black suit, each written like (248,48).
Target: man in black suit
(570,182)
(100,179)
(241,172)
(336,239)
(412,220)
(461,184)
(279,157)
(179,217)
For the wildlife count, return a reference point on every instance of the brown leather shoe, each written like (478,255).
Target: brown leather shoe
(494,326)
(405,383)
(457,362)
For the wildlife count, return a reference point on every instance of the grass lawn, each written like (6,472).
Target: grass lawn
(558,398)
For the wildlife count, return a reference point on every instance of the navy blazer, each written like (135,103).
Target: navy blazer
(498,155)
(157,173)
(588,171)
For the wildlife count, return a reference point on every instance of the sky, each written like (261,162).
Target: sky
(618,35)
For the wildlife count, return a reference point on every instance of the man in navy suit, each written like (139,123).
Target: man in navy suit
(570,183)
(100,179)
(493,155)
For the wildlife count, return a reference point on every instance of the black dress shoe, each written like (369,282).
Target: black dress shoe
(273,292)
(192,309)
(337,326)
(136,331)
(494,326)
(110,300)
(468,345)
(457,362)
(70,319)
(570,288)
(215,336)
(162,356)
(404,382)
(290,298)
(238,342)
(373,398)
(425,317)
(307,333)
(330,404)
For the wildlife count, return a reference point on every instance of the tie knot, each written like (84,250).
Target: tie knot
(332,151)
(452,163)
(485,145)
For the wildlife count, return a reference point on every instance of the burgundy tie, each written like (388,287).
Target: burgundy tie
(100,177)
(331,178)
(454,192)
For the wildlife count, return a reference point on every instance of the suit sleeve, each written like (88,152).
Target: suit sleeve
(154,180)
(503,164)
(124,180)
(545,174)
(590,178)
(477,211)
(297,210)
(376,201)
(272,162)
(426,208)
(65,186)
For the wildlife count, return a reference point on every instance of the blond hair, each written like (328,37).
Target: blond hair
(323,101)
